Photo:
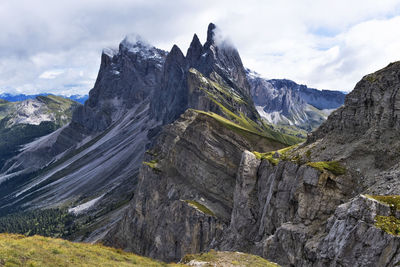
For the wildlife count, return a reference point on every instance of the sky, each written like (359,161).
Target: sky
(55,46)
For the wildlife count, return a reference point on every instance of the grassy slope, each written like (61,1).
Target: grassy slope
(19,250)
(229,103)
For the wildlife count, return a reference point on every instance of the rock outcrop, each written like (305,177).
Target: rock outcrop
(186,188)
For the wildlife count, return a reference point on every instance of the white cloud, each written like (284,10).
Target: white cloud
(51,74)
(324,44)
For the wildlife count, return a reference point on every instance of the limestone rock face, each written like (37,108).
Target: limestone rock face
(352,240)
(282,209)
(185,194)
(216,61)
(371,110)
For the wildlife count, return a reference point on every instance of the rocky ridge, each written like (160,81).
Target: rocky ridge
(317,204)
(91,166)
(284,102)
(24,121)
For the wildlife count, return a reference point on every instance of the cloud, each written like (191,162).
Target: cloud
(51,74)
(324,44)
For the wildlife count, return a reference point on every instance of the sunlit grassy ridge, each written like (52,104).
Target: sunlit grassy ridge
(229,103)
(18,250)
(282,153)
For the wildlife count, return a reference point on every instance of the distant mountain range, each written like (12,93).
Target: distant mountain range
(20,97)
(23,121)
(284,102)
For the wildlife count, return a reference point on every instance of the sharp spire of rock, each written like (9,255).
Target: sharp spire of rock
(210,32)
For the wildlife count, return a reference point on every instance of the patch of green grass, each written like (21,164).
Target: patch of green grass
(228,258)
(289,130)
(371,78)
(152,164)
(200,207)
(332,166)
(389,224)
(230,124)
(19,250)
(391,200)
(284,154)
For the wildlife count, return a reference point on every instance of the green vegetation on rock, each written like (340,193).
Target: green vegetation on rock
(230,103)
(391,200)
(152,164)
(200,207)
(389,224)
(275,156)
(227,258)
(246,128)
(332,166)
(19,250)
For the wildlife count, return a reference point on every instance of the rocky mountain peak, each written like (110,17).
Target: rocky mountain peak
(175,54)
(210,34)
(195,50)
(370,110)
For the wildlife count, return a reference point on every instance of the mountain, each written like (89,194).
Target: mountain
(24,121)
(21,97)
(332,201)
(91,167)
(79,98)
(170,157)
(284,102)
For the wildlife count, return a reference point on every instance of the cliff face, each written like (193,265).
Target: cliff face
(215,64)
(313,217)
(185,193)
(312,205)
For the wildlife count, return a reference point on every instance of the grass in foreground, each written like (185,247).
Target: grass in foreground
(19,250)
(225,258)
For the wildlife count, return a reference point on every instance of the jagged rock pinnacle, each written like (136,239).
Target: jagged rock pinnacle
(195,49)
(210,33)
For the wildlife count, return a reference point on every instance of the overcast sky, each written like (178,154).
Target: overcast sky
(55,46)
